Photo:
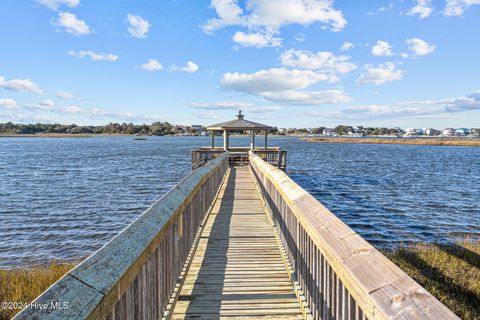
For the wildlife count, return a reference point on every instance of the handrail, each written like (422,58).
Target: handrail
(341,275)
(273,155)
(135,273)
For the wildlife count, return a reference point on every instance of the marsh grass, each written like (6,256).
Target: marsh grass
(411,141)
(24,285)
(450,272)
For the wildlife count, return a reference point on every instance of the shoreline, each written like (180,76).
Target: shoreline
(448,142)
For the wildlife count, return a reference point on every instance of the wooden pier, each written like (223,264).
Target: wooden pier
(237,240)
(237,270)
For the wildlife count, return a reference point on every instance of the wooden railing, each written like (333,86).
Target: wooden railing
(277,158)
(274,155)
(341,276)
(134,275)
(202,156)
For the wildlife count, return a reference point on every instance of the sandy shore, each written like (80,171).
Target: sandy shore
(411,141)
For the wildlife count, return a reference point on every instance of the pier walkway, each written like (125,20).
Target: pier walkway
(237,270)
(237,242)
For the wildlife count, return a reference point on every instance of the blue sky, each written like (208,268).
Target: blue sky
(289,63)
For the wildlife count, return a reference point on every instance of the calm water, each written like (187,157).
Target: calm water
(64,198)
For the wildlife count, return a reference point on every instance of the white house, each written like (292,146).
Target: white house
(462,132)
(411,131)
(329,132)
(448,132)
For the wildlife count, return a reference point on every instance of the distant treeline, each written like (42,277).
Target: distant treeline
(156,128)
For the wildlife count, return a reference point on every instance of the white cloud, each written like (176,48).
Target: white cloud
(423,9)
(384,8)
(420,47)
(380,74)
(382,48)
(190,67)
(8,104)
(65,95)
(412,109)
(234,105)
(272,15)
(38,111)
(92,113)
(347,46)
(152,65)
(300,37)
(272,80)
(284,86)
(94,55)
(70,109)
(72,24)
(138,27)
(47,103)
(257,39)
(323,61)
(55,4)
(458,7)
(294,97)
(22,85)
(221,105)
(263,109)
(205,115)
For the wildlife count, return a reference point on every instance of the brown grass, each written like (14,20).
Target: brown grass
(450,272)
(413,141)
(24,285)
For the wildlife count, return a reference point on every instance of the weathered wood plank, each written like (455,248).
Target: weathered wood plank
(374,287)
(237,271)
(134,274)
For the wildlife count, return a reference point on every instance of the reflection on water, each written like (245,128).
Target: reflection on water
(64,198)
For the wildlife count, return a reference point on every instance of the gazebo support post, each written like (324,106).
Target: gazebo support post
(225,140)
(266,144)
(252,146)
(213,139)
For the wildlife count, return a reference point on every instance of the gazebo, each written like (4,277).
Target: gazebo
(239,124)
(239,155)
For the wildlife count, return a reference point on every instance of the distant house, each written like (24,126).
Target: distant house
(431,132)
(198,128)
(412,131)
(329,132)
(178,129)
(448,132)
(462,132)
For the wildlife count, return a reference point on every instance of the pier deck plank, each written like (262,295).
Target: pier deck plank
(237,270)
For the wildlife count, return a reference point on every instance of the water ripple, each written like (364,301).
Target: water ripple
(65,198)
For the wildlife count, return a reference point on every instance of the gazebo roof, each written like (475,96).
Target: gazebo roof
(239,124)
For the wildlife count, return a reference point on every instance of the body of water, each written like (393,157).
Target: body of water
(65,198)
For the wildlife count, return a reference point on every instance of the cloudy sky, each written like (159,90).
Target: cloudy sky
(290,63)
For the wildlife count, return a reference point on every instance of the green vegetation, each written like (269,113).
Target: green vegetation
(24,285)
(156,128)
(450,272)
